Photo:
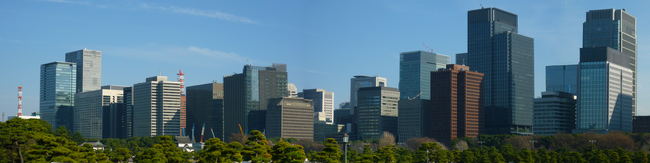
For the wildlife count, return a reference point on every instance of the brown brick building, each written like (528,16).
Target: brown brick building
(457,103)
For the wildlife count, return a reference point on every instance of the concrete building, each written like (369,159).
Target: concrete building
(156,107)
(457,103)
(290,118)
(562,78)
(641,124)
(205,105)
(90,107)
(323,102)
(246,96)
(57,90)
(341,113)
(376,112)
(614,28)
(89,69)
(415,90)
(554,112)
(605,91)
(293,91)
(361,82)
(506,58)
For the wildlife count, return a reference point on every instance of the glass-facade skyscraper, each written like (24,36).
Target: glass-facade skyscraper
(246,96)
(57,90)
(415,70)
(605,93)
(562,78)
(89,69)
(495,49)
(613,28)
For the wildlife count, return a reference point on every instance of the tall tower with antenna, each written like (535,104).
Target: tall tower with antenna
(20,100)
(181,79)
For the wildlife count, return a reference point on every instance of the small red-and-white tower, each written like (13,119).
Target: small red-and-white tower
(181,78)
(20,100)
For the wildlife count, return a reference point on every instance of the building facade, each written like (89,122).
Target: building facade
(495,49)
(205,106)
(377,112)
(614,28)
(293,90)
(641,124)
(127,125)
(554,112)
(605,93)
(290,118)
(57,91)
(246,96)
(360,82)
(323,102)
(90,107)
(89,69)
(414,121)
(457,103)
(562,78)
(156,107)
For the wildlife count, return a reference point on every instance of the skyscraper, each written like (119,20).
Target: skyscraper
(246,96)
(58,85)
(205,105)
(89,110)
(457,105)
(128,113)
(554,112)
(562,78)
(89,69)
(605,93)
(293,91)
(415,91)
(613,28)
(323,102)
(377,112)
(495,49)
(360,82)
(156,107)
(290,117)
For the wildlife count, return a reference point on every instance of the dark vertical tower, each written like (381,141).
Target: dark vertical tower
(246,96)
(495,49)
(205,105)
(615,29)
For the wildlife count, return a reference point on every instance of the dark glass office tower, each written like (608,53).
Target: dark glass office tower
(205,105)
(562,78)
(495,49)
(57,90)
(615,29)
(246,96)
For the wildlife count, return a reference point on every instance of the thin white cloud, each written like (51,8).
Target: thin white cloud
(212,14)
(190,54)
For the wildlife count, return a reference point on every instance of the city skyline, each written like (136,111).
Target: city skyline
(132,50)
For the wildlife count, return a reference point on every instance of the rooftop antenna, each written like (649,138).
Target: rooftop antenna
(159,73)
(481,6)
(20,101)
(181,79)
(428,49)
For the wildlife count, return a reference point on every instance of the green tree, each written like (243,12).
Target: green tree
(367,156)
(640,157)
(495,155)
(151,155)
(76,137)
(403,155)
(467,157)
(257,148)
(121,154)
(62,132)
(624,155)
(16,134)
(509,154)
(525,155)
(386,154)
(285,152)
(331,153)
(217,151)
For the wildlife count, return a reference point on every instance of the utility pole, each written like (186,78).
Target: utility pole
(592,142)
(533,143)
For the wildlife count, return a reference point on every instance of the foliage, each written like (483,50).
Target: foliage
(257,148)
(331,153)
(285,152)
(217,151)
(386,139)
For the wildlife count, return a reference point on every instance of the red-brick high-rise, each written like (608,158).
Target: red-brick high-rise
(456,98)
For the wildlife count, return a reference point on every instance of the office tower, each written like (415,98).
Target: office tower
(554,112)
(461,58)
(344,105)
(605,91)
(323,102)
(205,105)
(293,91)
(495,49)
(57,90)
(339,114)
(289,117)
(377,112)
(156,107)
(615,29)
(90,107)
(415,89)
(563,78)
(360,82)
(89,68)
(641,124)
(457,103)
(128,112)
(246,96)
(114,114)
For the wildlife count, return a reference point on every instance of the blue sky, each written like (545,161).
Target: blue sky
(324,43)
